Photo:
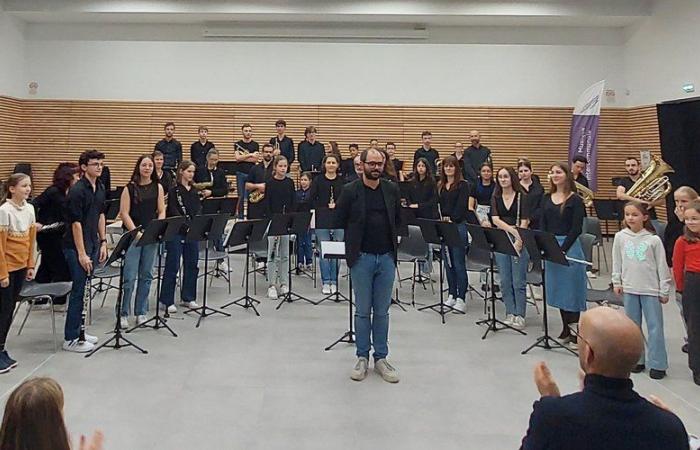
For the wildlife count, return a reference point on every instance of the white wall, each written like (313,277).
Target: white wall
(321,72)
(661,54)
(12,62)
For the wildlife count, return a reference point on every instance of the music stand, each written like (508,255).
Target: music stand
(337,251)
(219,205)
(118,254)
(112,209)
(444,234)
(545,245)
(334,250)
(287,225)
(493,240)
(606,210)
(245,232)
(157,232)
(206,229)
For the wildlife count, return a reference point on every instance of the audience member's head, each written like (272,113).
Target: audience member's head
(610,343)
(33,418)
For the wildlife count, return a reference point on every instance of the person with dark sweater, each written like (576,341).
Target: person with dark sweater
(283,143)
(165,178)
(578,169)
(280,198)
(480,199)
(475,156)
(255,182)
(183,200)
(246,156)
(325,192)
(427,151)
(534,191)
(169,147)
(422,195)
(453,194)
(305,257)
(210,173)
(607,413)
(311,152)
(200,147)
(347,165)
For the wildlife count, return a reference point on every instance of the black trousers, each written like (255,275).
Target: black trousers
(53,265)
(8,300)
(691,313)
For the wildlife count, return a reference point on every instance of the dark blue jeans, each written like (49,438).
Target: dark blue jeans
(241,178)
(189,251)
(456,265)
(304,251)
(75,300)
(372,281)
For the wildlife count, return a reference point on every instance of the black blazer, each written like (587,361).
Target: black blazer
(608,414)
(217,176)
(351,215)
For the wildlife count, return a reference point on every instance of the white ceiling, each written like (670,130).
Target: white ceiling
(537,13)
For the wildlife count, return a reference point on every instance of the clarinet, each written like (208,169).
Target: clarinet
(86,305)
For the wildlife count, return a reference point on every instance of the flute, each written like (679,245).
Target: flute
(86,305)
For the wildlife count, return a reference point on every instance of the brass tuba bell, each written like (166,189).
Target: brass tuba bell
(653,184)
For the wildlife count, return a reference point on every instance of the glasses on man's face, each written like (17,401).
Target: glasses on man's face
(374,164)
(96,164)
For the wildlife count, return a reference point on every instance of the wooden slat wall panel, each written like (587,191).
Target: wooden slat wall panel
(45,132)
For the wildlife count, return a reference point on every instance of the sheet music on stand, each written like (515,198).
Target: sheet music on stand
(332,249)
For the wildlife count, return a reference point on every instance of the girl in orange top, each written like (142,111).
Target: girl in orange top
(686,271)
(17,237)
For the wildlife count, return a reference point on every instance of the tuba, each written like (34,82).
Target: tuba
(653,184)
(585,194)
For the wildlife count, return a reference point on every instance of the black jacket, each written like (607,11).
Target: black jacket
(351,215)
(608,414)
(217,176)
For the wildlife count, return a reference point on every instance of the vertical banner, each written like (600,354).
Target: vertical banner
(583,139)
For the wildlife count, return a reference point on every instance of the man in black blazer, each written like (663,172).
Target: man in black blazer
(607,414)
(369,209)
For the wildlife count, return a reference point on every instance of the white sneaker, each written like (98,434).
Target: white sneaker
(334,288)
(450,300)
(272,293)
(259,265)
(140,319)
(172,309)
(77,346)
(284,289)
(193,304)
(224,267)
(359,372)
(124,323)
(460,305)
(326,289)
(310,268)
(509,319)
(518,323)
(91,339)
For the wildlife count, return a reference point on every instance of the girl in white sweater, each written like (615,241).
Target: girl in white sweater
(640,273)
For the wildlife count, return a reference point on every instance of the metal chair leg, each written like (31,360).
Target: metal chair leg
(30,305)
(53,325)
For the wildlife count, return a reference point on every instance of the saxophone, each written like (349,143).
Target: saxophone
(653,184)
(86,305)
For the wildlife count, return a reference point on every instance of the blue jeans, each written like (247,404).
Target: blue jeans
(304,251)
(278,261)
(373,280)
(649,306)
(329,267)
(513,272)
(138,265)
(241,178)
(75,300)
(189,251)
(456,265)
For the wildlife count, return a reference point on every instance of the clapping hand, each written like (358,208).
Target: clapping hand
(545,381)
(95,442)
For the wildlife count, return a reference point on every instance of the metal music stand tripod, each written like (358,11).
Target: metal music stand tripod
(493,240)
(119,253)
(287,225)
(545,245)
(337,251)
(333,253)
(157,232)
(206,229)
(245,232)
(444,234)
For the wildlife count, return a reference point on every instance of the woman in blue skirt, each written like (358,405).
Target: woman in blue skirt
(562,215)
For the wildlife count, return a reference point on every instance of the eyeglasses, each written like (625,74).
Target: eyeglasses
(374,164)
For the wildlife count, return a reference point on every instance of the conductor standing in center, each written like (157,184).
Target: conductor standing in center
(369,210)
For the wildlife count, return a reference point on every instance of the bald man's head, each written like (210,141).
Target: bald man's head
(612,343)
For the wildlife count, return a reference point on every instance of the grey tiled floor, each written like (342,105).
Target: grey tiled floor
(249,382)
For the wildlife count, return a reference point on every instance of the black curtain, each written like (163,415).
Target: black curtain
(679,132)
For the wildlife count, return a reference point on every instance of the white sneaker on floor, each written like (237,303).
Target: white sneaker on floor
(334,288)
(124,322)
(284,289)
(387,372)
(518,323)
(359,372)
(326,289)
(77,346)
(450,300)
(91,339)
(140,319)
(224,267)
(259,265)
(193,304)
(272,293)
(460,305)
(509,319)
